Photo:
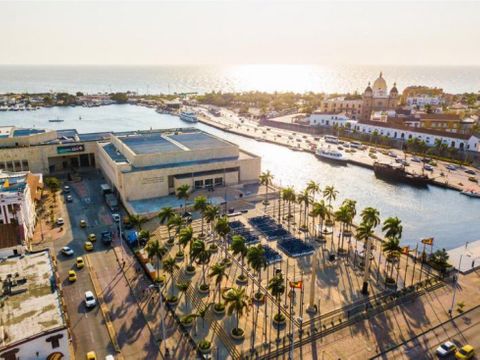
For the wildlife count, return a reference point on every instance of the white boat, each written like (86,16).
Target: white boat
(188,116)
(471,193)
(330,153)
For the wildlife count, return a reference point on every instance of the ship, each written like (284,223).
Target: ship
(399,174)
(188,116)
(328,153)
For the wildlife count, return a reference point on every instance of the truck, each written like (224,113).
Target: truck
(111,201)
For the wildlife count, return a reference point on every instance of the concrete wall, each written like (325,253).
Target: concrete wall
(28,140)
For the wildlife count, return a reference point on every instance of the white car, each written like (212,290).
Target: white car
(67,251)
(90,301)
(109,357)
(446,349)
(66,189)
(116,217)
(60,221)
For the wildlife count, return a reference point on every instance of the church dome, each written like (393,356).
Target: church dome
(380,84)
(394,89)
(368,90)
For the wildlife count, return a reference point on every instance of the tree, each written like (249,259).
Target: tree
(330,194)
(257,261)
(156,250)
(276,285)
(288,195)
(200,203)
(137,221)
(169,266)
(342,215)
(222,228)
(266,179)
(238,247)
(370,216)
(217,271)
(313,188)
(119,98)
(165,215)
(53,184)
(392,248)
(185,237)
(364,232)
(183,193)
(200,255)
(439,260)
(304,199)
(212,212)
(176,222)
(319,209)
(236,301)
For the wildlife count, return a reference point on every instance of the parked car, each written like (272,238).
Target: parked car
(392,154)
(83,223)
(446,349)
(116,217)
(66,189)
(67,251)
(88,246)
(90,300)
(428,167)
(72,276)
(470,172)
(79,262)
(91,355)
(107,237)
(92,237)
(69,198)
(416,159)
(466,352)
(451,167)
(60,221)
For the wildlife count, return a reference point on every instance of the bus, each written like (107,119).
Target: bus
(331,139)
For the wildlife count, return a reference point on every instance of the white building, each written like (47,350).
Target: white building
(423,100)
(321,118)
(18,195)
(458,141)
(32,321)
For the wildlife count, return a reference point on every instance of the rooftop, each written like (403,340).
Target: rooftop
(26,132)
(32,306)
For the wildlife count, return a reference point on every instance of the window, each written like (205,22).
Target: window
(25,165)
(208,182)
(18,165)
(218,181)
(9,166)
(2,165)
(198,184)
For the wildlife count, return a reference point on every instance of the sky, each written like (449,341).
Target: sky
(240,32)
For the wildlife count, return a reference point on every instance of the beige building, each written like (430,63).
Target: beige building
(378,98)
(146,165)
(352,107)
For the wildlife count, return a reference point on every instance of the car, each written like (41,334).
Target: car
(466,352)
(79,262)
(392,154)
(72,276)
(69,198)
(88,246)
(66,189)
(60,221)
(446,349)
(416,159)
(428,167)
(67,251)
(92,237)
(91,355)
(116,217)
(470,171)
(83,223)
(109,357)
(107,237)
(90,300)
(451,167)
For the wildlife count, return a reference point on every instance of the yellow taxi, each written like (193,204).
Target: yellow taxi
(92,237)
(88,246)
(72,276)
(80,263)
(466,352)
(83,223)
(91,355)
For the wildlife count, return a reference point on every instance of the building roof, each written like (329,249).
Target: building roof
(380,84)
(439,117)
(10,236)
(31,306)
(149,144)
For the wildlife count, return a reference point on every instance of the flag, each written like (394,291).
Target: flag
(406,250)
(296,284)
(6,184)
(427,241)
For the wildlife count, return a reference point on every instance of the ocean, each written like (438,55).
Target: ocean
(200,79)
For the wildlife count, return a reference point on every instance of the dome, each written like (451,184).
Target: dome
(380,84)
(394,89)
(368,89)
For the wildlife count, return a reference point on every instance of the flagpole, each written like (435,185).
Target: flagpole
(406,267)
(421,262)
(414,263)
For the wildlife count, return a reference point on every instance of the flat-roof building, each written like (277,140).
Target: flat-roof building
(32,321)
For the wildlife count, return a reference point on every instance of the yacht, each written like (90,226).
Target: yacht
(188,116)
(329,153)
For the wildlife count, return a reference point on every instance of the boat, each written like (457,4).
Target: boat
(329,153)
(471,193)
(56,120)
(188,116)
(398,173)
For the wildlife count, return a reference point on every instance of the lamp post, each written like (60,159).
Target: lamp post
(450,311)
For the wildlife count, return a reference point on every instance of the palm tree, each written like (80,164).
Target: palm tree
(183,193)
(222,228)
(319,209)
(305,199)
(350,205)
(211,214)
(183,287)
(313,188)
(370,216)
(176,222)
(342,215)
(200,203)
(169,266)
(201,255)
(184,238)
(393,250)
(364,232)
(237,302)
(266,178)
(156,250)
(165,215)
(238,247)
(288,195)
(330,194)
(276,285)
(392,227)
(257,261)
(218,272)
(137,221)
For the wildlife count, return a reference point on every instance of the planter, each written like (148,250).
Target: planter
(226,262)
(279,319)
(237,334)
(213,248)
(179,256)
(187,321)
(219,309)
(242,279)
(391,283)
(342,251)
(205,346)
(172,300)
(259,297)
(170,242)
(329,223)
(160,280)
(190,270)
(203,289)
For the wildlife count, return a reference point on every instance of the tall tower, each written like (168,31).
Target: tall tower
(367,98)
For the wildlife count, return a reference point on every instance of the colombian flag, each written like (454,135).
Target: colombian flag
(406,250)
(427,241)
(296,284)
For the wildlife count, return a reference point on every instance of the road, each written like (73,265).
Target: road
(463,330)
(88,327)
